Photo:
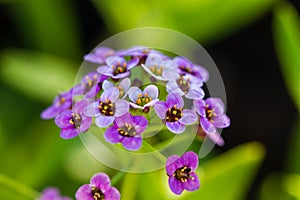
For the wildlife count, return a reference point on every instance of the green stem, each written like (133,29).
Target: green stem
(149,147)
(117,177)
(18,187)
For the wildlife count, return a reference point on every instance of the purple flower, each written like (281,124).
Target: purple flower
(156,64)
(122,86)
(73,122)
(98,189)
(127,130)
(212,115)
(215,137)
(52,193)
(185,85)
(90,85)
(186,67)
(117,67)
(99,55)
(181,172)
(142,99)
(107,108)
(61,102)
(173,115)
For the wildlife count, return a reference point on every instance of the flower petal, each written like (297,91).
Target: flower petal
(203,72)
(112,135)
(195,93)
(85,124)
(123,119)
(151,103)
(92,110)
(62,120)
(172,87)
(132,63)
(136,106)
(84,193)
(152,91)
(170,75)
(125,84)
(221,121)
(110,94)
(175,185)
(121,107)
(189,117)
(174,99)
(140,122)
(105,70)
(49,113)
(199,107)
(216,138)
(107,85)
(101,181)
(207,126)
(69,133)
(121,75)
(171,164)
(133,93)
(216,104)
(193,183)
(175,127)
(161,109)
(132,143)
(190,159)
(104,121)
(112,194)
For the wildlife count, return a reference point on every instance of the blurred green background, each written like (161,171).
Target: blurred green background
(255,44)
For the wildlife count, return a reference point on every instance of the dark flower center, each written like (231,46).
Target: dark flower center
(210,113)
(90,82)
(143,99)
(97,194)
(156,69)
(106,108)
(174,114)
(76,120)
(187,69)
(127,130)
(183,174)
(119,68)
(183,84)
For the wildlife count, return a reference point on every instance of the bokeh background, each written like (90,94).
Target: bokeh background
(255,44)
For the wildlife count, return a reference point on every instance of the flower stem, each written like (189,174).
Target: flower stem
(18,187)
(149,147)
(117,177)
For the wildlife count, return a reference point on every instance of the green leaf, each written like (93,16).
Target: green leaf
(204,20)
(37,75)
(287,43)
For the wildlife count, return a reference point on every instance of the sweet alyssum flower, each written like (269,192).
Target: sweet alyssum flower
(155,64)
(52,193)
(186,85)
(98,189)
(142,99)
(61,102)
(186,67)
(72,122)
(211,113)
(172,113)
(181,172)
(117,67)
(127,129)
(99,55)
(107,108)
(122,86)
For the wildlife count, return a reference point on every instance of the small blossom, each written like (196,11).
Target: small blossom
(98,189)
(52,193)
(117,67)
(185,85)
(156,64)
(107,108)
(142,99)
(181,172)
(212,115)
(122,86)
(127,130)
(90,85)
(61,102)
(186,67)
(73,122)
(99,55)
(173,115)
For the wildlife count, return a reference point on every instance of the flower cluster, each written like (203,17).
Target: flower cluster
(111,97)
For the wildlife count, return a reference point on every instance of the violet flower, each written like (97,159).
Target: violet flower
(90,85)
(107,108)
(142,99)
(73,122)
(98,189)
(186,67)
(99,55)
(181,172)
(117,67)
(61,102)
(122,86)
(127,129)
(52,193)
(156,64)
(186,85)
(173,115)
(212,115)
